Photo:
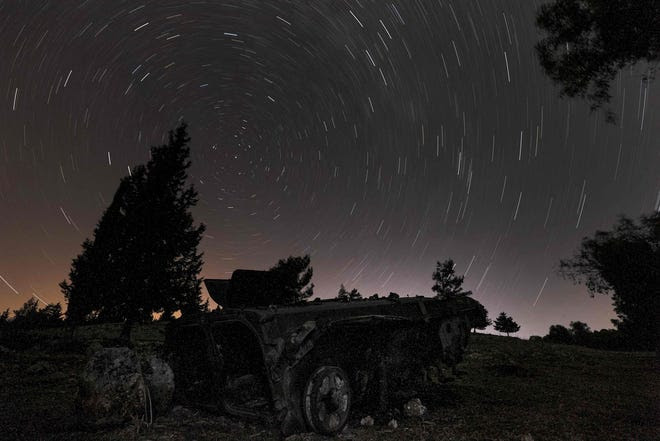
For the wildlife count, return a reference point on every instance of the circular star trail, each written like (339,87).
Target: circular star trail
(378,137)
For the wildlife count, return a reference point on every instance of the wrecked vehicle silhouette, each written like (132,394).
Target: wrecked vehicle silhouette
(304,366)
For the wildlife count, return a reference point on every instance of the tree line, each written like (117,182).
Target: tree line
(142,259)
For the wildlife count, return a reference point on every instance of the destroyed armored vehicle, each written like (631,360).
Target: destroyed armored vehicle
(304,366)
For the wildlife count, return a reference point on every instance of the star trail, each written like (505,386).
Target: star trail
(376,136)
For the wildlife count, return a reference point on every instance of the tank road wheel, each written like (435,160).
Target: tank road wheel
(327,400)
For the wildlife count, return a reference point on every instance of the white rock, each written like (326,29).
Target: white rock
(367,421)
(393,424)
(414,408)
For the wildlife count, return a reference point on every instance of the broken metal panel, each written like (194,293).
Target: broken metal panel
(378,342)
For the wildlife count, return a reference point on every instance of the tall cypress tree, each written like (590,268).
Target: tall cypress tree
(144,257)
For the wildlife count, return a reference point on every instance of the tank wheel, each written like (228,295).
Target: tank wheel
(327,400)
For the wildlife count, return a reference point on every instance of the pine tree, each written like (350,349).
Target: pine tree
(342,294)
(143,258)
(294,276)
(505,324)
(447,284)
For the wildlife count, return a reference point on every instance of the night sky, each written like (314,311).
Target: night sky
(377,136)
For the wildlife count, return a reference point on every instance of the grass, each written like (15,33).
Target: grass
(508,389)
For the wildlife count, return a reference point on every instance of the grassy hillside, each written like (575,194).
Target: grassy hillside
(508,389)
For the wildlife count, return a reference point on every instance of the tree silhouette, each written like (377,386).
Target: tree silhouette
(447,284)
(559,334)
(143,258)
(294,276)
(94,289)
(347,296)
(581,332)
(479,318)
(589,41)
(504,323)
(624,263)
(30,316)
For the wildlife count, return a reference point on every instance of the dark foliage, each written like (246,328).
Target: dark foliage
(447,284)
(624,263)
(479,319)
(504,323)
(347,296)
(4,318)
(294,275)
(143,257)
(30,316)
(579,333)
(588,41)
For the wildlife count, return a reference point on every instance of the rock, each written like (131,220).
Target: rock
(160,382)
(393,424)
(414,408)
(527,437)
(112,389)
(367,421)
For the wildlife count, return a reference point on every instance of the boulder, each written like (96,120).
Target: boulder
(112,389)
(160,382)
(367,421)
(414,408)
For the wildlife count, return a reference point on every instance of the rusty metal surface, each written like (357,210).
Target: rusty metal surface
(375,340)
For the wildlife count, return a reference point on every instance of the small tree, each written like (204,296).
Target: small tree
(447,284)
(479,319)
(346,296)
(294,275)
(505,324)
(342,294)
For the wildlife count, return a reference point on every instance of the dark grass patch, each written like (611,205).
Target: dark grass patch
(507,389)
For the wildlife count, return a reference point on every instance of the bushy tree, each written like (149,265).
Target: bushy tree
(30,316)
(581,333)
(479,318)
(559,334)
(588,41)
(447,284)
(294,276)
(505,323)
(347,296)
(624,263)
(143,258)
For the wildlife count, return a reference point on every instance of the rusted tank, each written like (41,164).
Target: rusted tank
(305,366)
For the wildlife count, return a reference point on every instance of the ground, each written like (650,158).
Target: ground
(506,389)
